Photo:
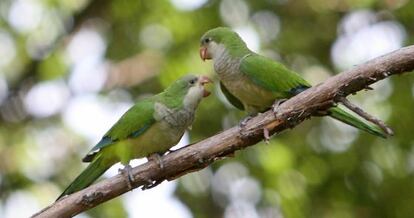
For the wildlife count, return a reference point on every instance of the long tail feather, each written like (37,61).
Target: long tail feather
(357,122)
(94,170)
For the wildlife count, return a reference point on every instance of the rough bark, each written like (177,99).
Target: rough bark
(199,155)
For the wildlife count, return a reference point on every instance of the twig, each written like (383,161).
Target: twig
(365,115)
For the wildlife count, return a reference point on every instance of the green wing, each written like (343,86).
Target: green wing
(272,75)
(132,124)
(231,98)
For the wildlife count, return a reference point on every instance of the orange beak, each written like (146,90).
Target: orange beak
(204,53)
(204,80)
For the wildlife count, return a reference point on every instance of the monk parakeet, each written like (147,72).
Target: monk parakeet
(252,82)
(151,126)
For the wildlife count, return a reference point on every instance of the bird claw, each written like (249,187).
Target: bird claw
(266,135)
(126,172)
(243,122)
(277,104)
(150,184)
(157,158)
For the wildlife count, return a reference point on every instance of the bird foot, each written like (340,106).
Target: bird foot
(157,158)
(244,121)
(277,104)
(242,124)
(126,172)
(150,184)
(266,135)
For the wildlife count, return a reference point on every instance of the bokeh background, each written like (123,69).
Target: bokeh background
(70,68)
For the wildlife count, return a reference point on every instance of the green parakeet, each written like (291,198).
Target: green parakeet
(151,126)
(252,82)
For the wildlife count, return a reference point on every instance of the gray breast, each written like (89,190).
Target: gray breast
(227,68)
(178,119)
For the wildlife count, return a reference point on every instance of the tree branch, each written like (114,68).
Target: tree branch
(201,154)
(366,116)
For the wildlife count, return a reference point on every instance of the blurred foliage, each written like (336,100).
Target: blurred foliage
(68,69)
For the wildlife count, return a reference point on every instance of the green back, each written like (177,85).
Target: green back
(132,124)
(137,118)
(271,75)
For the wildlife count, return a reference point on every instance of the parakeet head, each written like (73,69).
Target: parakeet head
(190,89)
(217,40)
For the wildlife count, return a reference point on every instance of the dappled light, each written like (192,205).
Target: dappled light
(363,37)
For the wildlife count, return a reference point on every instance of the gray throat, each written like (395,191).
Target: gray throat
(175,118)
(226,67)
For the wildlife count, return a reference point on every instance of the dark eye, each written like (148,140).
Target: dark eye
(193,81)
(206,40)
